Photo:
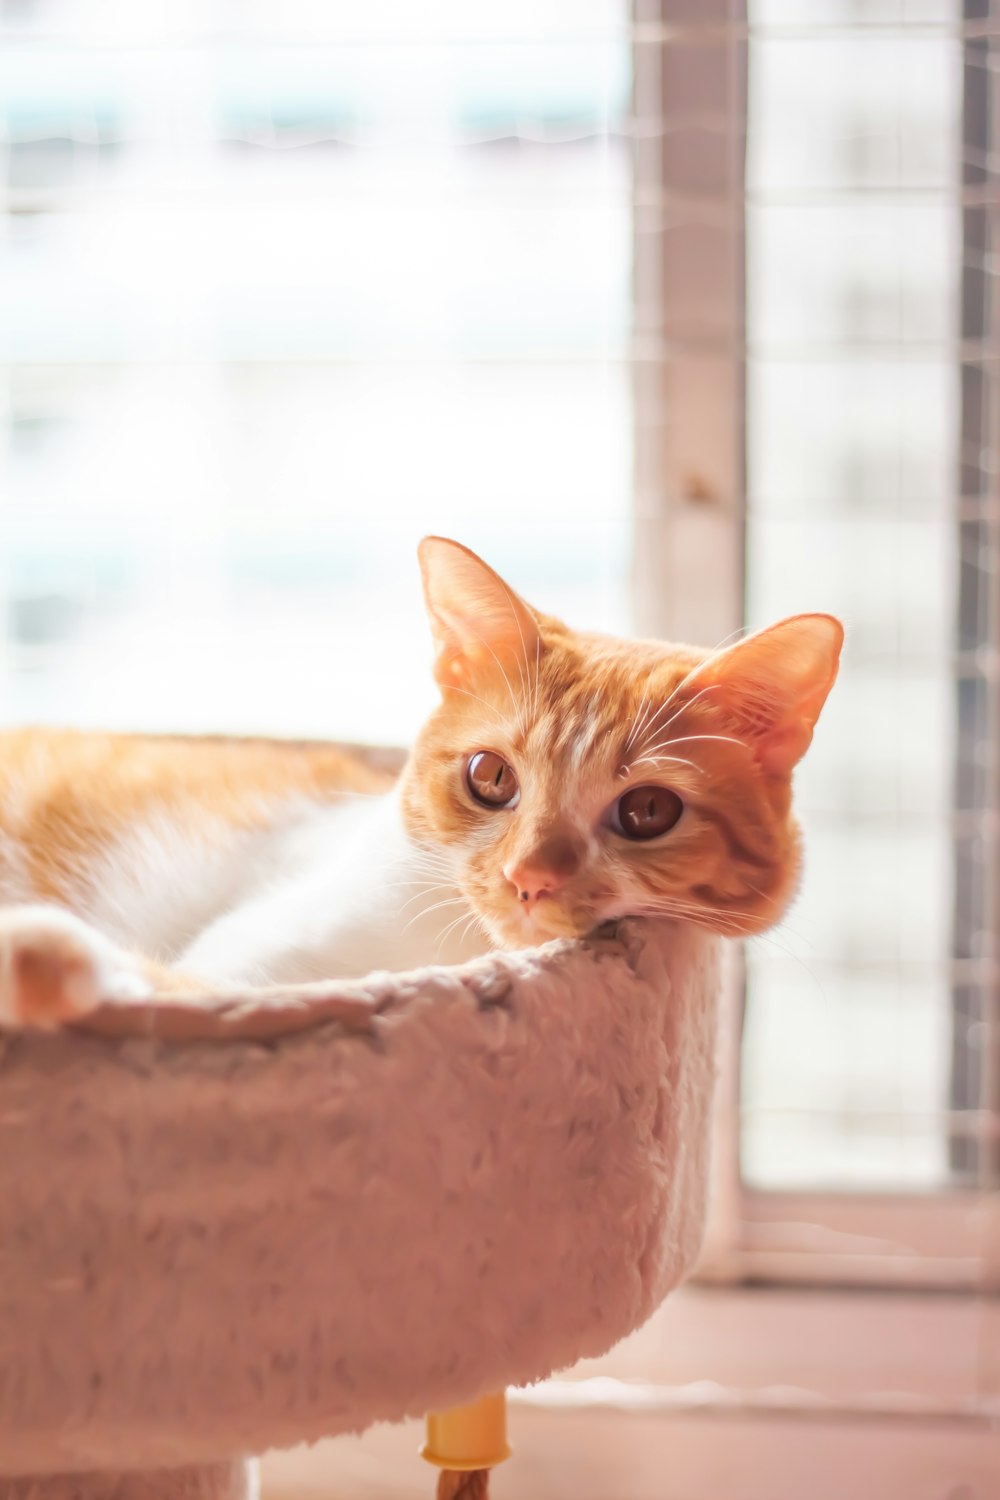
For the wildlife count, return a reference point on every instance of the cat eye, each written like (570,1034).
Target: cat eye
(491,780)
(646,811)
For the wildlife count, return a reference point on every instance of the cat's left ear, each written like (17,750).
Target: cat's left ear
(480,626)
(773,684)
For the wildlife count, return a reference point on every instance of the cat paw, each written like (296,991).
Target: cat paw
(54,967)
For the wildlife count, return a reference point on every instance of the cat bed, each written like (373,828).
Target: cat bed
(264,1218)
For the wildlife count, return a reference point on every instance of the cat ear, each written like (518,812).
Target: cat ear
(479,624)
(773,684)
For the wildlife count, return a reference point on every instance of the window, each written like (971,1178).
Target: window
(854,255)
(285,287)
(850,258)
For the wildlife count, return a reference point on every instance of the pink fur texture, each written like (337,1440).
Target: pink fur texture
(270,1218)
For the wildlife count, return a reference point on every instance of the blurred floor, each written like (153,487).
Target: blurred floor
(759,1394)
(600,1456)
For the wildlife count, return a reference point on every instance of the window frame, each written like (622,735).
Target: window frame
(690,70)
(936,1241)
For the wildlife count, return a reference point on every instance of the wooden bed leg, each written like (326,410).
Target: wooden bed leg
(465,1444)
(458,1484)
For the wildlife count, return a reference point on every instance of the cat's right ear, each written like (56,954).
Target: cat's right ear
(480,626)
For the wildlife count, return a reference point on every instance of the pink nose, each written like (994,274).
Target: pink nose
(532,884)
(545,871)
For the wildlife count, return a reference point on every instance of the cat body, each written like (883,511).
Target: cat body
(564,779)
(230,863)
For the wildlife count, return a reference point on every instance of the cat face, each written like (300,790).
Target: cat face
(574,778)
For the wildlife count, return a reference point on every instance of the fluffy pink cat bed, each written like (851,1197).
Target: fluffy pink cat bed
(294,1214)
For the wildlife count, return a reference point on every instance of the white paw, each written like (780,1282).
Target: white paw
(54,967)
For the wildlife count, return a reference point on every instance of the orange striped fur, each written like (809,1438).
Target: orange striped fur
(66,795)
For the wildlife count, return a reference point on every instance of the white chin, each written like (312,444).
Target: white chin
(520,930)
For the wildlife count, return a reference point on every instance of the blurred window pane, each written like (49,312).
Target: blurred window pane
(283,288)
(875,999)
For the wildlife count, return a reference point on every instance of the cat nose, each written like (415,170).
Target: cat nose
(546,870)
(533,885)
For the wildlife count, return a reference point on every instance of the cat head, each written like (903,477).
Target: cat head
(572,778)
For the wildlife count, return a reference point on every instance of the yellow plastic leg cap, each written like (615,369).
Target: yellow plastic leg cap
(468,1437)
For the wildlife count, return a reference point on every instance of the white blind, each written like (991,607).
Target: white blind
(285,286)
(872,211)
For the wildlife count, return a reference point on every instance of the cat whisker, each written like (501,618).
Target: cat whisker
(538,663)
(424,872)
(653,726)
(784,927)
(768,937)
(521,670)
(724,739)
(669,702)
(702,915)
(492,707)
(521,662)
(435,906)
(426,854)
(733,924)
(423,858)
(713,656)
(409,885)
(420,877)
(679,760)
(472,920)
(429,852)
(688,909)
(728,640)
(736,923)
(475,924)
(503,674)
(648,723)
(430,888)
(640,714)
(463,917)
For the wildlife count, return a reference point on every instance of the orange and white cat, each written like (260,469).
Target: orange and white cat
(564,779)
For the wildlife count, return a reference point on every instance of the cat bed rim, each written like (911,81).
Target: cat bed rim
(304,1235)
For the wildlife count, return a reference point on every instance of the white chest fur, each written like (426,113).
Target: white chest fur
(347,892)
